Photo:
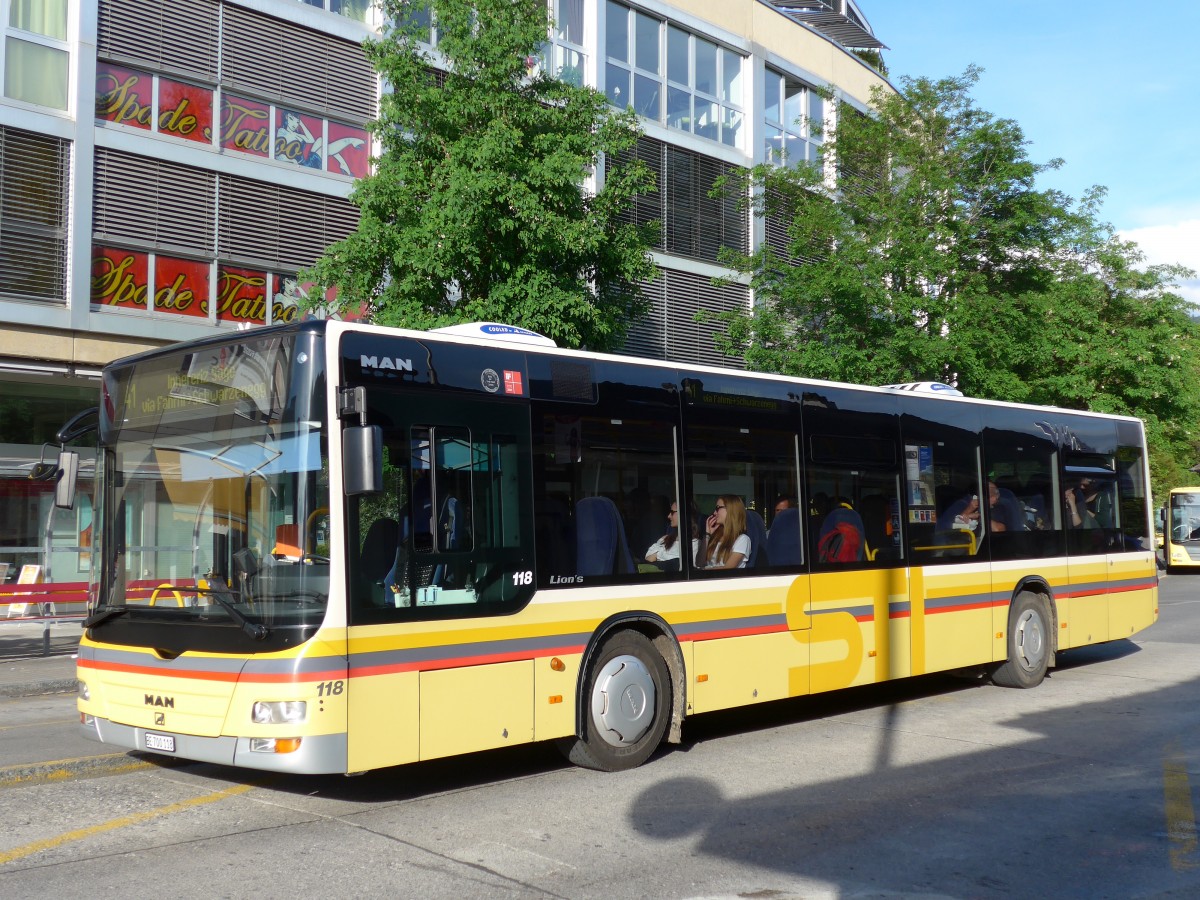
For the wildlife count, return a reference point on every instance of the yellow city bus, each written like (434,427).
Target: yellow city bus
(332,547)
(1181,529)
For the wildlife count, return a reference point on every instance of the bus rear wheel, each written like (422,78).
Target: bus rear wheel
(628,705)
(1029,635)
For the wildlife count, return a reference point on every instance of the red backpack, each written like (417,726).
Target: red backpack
(842,543)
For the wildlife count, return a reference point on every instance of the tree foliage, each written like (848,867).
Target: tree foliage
(937,259)
(476,208)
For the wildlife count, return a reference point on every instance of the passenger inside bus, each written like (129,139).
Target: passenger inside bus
(665,552)
(1079,511)
(728,546)
(1004,510)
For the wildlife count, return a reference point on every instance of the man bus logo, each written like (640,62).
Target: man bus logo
(385,363)
(155,700)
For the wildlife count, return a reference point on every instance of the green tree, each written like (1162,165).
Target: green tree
(476,209)
(937,259)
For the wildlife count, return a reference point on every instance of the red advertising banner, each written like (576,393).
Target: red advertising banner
(349,150)
(299,139)
(119,277)
(181,286)
(185,110)
(241,295)
(124,96)
(245,125)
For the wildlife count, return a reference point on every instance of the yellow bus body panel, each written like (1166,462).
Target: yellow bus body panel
(189,705)
(423,690)
(1132,606)
(554,696)
(953,613)
(476,708)
(384,712)
(1087,586)
(211,695)
(744,670)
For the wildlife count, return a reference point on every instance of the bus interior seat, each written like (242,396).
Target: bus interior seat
(601,548)
(1016,509)
(555,536)
(757,532)
(783,540)
(877,520)
(380,550)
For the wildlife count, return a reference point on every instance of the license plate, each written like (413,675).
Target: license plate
(160,742)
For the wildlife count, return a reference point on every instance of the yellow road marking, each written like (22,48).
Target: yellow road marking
(79,834)
(1181,815)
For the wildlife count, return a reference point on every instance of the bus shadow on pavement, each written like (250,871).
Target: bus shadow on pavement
(1077,796)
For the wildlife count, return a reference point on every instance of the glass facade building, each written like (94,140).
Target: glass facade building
(168,166)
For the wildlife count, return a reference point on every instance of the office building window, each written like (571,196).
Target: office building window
(695,224)
(351,9)
(793,115)
(36,58)
(671,75)
(564,55)
(34,180)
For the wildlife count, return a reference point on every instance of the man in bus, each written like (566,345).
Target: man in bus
(1004,510)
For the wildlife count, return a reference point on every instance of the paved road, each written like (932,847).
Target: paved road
(928,788)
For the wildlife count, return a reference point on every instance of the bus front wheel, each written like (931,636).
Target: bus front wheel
(1029,636)
(628,705)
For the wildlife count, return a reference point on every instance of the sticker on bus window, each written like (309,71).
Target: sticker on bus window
(513,383)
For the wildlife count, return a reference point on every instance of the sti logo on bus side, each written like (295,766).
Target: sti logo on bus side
(385,363)
(155,700)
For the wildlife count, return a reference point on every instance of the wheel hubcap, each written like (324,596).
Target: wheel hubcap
(623,700)
(1031,640)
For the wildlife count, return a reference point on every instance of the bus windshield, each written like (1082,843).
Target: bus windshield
(215,491)
(1185,517)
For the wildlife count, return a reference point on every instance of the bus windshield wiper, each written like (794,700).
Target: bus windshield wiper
(103,615)
(254,629)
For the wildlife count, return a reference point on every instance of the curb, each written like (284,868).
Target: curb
(61,770)
(38,688)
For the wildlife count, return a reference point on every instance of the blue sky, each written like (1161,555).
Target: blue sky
(1107,86)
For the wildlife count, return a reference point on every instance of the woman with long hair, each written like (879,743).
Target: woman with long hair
(666,549)
(728,543)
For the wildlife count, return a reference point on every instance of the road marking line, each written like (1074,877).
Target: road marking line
(1181,815)
(113,824)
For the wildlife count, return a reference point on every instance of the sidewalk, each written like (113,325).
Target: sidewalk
(24,670)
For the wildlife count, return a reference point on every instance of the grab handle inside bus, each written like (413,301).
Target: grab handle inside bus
(362,459)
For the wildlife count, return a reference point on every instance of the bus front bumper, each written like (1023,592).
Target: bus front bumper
(318,755)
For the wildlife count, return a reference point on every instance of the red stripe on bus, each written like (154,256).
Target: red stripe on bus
(210,675)
(984,604)
(431,665)
(733,632)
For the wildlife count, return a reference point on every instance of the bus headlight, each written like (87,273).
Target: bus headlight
(81,689)
(279,712)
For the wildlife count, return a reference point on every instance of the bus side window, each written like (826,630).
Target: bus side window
(755,463)
(1019,462)
(944,490)
(1132,490)
(602,486)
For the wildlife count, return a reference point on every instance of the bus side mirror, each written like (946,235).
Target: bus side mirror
(362,459)
(68,474)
